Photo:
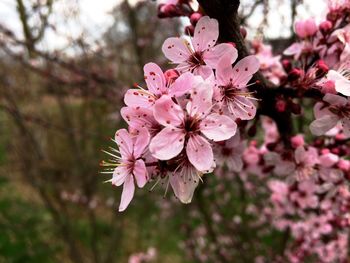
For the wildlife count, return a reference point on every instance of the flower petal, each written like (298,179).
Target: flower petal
(138,98)
(224,72)
(322,125)
(181,85)
(242,107)
(212,56)
(139,117)
(140,173)
(206,33)
(154,78)
(124,141)
(119,175)
(294,49)
(321,110)
(200,153)
(175,49)
(203,71)
(182,187)
(167,144)
(218,127)
(141,141)
(335,99)
(346,126)
(167,112)
(128,193)
(244,69)
(201,98)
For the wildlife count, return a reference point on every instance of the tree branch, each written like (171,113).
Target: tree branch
(226,12)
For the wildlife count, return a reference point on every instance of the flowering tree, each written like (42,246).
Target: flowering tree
(230,108)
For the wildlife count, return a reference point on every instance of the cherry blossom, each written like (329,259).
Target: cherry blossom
(157,85)
(129,165)
(200,55)
(336,109)
(231,93)
(186,128)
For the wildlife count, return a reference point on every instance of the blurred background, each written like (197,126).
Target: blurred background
(64,66)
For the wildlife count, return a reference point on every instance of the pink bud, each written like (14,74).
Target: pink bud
(243,32)
(286,65)
(305,28)
(281,105)
(167,10)
(344,165)
(325,151)
(322,68)
(325,26)
(297,140)
(295,74)
(195,17)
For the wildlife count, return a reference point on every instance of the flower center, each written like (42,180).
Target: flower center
(341,111)
(191,125)
(229,92)
(196,59)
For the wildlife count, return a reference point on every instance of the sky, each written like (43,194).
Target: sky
(94,17)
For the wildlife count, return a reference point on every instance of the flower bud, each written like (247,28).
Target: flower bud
(295,74)
(281,105)
(195,17)
(167,10)
(305,28)
(287,65)
(322,68)
(297,140)
(344,165)
(243,32)
(326,26)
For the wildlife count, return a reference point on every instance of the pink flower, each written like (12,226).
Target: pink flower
(185,178)
(270,66)
(305,161)
(201,55)
(231,92)
(186,128)
(340,80)
(327,117)
(305,195)
(280,191)
(270,130)
(230,153)
(130,165)
(157,85)
(305,28)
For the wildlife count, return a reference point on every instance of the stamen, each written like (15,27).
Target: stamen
(158,180)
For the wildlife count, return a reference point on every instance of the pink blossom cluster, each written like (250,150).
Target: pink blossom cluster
(310,193)
(194,119)
(179,122)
